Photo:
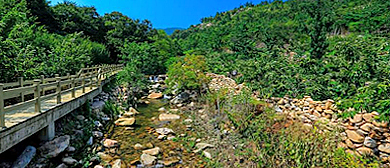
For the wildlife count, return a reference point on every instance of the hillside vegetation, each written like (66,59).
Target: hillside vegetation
(335,49)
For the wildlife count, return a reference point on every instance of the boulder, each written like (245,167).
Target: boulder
(168,117)
(55,147)
(365,151)
(153,151)
(148,160)
(369,142)
(201,146)
(125,121)
(63,165)
(356,119)
(164,131)
(98,105)
(97,134)
(367,127)
(354,136)
(155,95)
(109,143)
(384,148)
(69,161)
(24,159)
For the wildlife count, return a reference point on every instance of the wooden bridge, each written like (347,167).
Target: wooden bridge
(32,106)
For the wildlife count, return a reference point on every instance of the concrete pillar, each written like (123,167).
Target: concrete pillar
(47,133)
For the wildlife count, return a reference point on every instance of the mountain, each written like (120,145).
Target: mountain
(170,30)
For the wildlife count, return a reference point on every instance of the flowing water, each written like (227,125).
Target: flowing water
(177,151)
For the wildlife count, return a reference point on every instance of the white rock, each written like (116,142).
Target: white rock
(207,155)
(168,117)
(164,131)
(148,159)
(69,161)
(153,151)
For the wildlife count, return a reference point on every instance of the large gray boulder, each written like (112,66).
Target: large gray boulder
(24,159)
(55,147)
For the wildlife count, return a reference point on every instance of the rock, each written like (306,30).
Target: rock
(174,110)
(55,147)
(164,131)
(365,151)
(153,151)
(170,162)
(192,104)
(354,136)
(188,120)
(207,155)
(117,163)
(384,148)
(148,160)
(138,146)
(369,142)
(368,117)
(201,146)
(97,134)
(307,127)
(328,112)
(350,144)
(98,166)
(63,165)
(90,141)
(69,161)
(162,109)
(70,149)
(125,122)
(132,111)
(161,137)
(357,118)
(171,138)
(24,159)
(80,117)
(98,124)
(98,105)
(104,157)
(109,143)
(367,127)
(149,145)
(155,96)
(168,117)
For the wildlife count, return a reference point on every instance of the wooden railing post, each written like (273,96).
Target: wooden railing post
(83,82)
(73,86)
(43,82)
(58,80)
(37,95)
(91,80)
(2,114)
(21,83)
(68,78)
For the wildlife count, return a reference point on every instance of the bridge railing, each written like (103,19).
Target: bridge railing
(31,92)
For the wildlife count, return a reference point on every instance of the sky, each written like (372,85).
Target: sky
(164,13)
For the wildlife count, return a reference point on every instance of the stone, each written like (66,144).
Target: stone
(69,161)
(384,148)
(90,141)
(125,122)
(105,157)
(138,146)
(365,151)
(117,163)
(62,165)
(109,143)
(155,95)
(168,117)
(170,162)
(202,146)
(207,155)
(148,160)
(153,151)
(98,105)
(98,166)
(80,117)
(368,117)
(328,112)
(357,118)
(354,136)
(161,137)
(171,138)
(98,124)
(164,131)
(162,109)
(174,110)
(97,134)
(367,127)
(25,158)
(71,149)
(149,145)
(369,142)
(55,147)
(188,120)
(350,144)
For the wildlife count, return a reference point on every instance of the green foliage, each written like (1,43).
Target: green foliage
(188,73)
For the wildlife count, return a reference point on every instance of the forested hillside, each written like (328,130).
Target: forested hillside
(39,39)
(335,49)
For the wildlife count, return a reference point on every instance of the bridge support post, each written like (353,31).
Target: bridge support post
(48,133)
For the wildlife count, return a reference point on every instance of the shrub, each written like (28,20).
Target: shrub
(188,73)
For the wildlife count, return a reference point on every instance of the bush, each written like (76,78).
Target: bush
(188,73)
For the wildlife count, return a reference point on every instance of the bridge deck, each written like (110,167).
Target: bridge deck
(17,116)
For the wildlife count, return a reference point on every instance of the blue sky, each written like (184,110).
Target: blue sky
(164,13)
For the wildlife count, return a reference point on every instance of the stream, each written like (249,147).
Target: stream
(175,151)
